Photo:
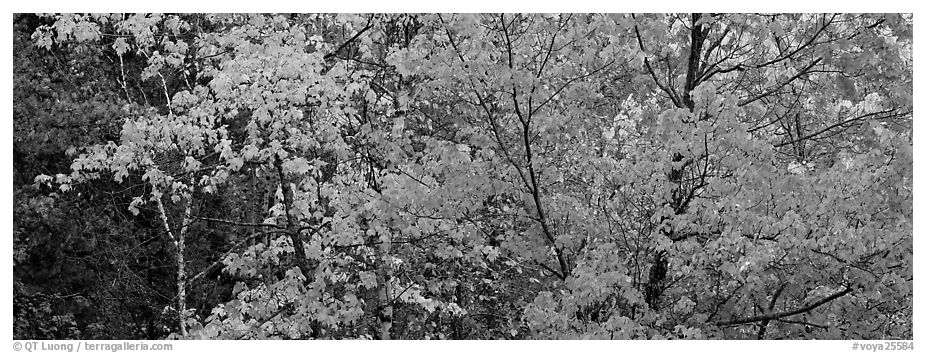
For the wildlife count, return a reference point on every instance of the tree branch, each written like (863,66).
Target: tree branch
(803,72)
(771,306)
(236,223)
(812,135)
(233,248)
(784,314)
(802,47)
(351,40)
(652,72)
(265,320)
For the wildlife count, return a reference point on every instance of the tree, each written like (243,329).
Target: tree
(528,176)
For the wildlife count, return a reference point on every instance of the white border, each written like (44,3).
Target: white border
(366,6)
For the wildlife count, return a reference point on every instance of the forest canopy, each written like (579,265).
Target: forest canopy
(462,176)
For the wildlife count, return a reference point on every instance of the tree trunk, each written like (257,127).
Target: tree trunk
(181,267)
(383,275)
(679,202)
(291,224)
(179,243)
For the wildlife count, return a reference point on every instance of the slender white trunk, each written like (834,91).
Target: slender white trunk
(181,266)
(383,276)
(179,242)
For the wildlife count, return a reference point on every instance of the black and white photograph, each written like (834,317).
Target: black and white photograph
(461,176)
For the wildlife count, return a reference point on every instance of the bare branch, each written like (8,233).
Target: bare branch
(828,128)
(233,248)
(236,223)
(351,40)
(652,72)
(803,72)
(802,47)
(784,314)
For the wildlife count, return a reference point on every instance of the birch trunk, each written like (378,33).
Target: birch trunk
(383,276)
(179,242)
